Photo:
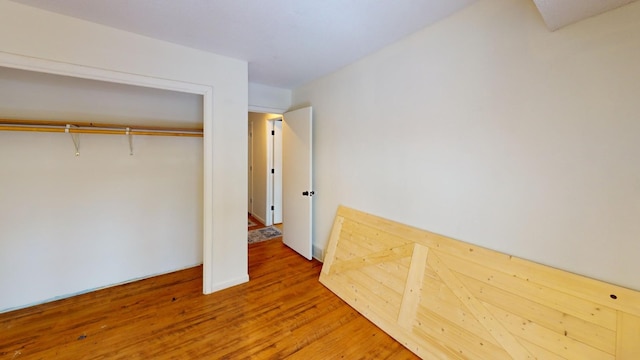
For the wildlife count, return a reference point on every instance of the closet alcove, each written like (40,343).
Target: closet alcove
(127,207)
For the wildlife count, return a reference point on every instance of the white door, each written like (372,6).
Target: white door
(297,186)
(277,171)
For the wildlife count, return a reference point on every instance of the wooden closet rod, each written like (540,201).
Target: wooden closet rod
(94,128)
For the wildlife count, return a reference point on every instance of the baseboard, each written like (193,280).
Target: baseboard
(317,253)
(263,221)
(229,283)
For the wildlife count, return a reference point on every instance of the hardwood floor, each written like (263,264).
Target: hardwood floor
(282,313)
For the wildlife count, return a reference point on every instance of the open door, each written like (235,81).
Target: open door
(297,186)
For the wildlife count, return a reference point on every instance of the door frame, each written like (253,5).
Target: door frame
(21,62)
(250,169)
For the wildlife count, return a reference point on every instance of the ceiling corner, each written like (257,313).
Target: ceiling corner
(560,13)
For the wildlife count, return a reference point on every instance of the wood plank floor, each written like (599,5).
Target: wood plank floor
(282,313)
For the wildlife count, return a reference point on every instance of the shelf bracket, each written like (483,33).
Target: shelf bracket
(75,137)
(130,136)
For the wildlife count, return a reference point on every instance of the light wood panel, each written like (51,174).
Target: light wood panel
(628,346)
(446,299)
(283,312)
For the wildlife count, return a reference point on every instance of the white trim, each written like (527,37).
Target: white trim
(250,170)
(207,241)
(86,72)
(259,219)
(60,68)
(317,253)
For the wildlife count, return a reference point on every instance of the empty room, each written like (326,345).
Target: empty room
(460,179)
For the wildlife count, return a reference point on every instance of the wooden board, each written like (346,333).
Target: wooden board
(446,299)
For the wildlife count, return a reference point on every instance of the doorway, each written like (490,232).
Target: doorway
(265,167)
(284,175)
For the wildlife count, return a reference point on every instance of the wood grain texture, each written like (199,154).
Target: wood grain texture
(283,312)
(413,288)
(474,303)
(95,128)
(628,336)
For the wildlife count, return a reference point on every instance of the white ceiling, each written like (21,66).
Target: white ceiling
(290,42)
(559,13)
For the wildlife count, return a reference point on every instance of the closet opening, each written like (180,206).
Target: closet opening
(72,224)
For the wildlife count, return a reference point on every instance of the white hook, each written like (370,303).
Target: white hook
(128,133)
(74,137)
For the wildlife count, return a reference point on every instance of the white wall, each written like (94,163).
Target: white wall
(36,95)
(69,224)
(39,34)
(488,128)
(268,99)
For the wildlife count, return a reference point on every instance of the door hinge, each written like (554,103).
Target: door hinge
(273,132)
(272,208)
(273,171)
